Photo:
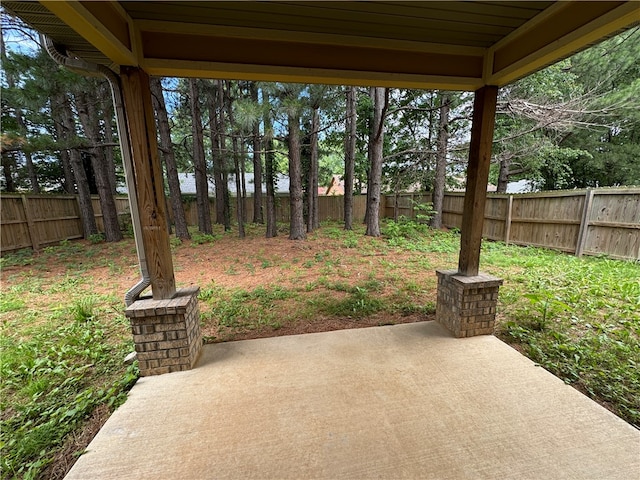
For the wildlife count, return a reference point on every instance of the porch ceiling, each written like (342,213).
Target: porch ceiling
(446,45)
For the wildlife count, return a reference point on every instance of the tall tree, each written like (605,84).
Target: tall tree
(11,83)
(236,161)
(269,173)
(350,155)
(441,160)
(166,149)
(380,97)
(291,103)
(257,160)
(219,150)
(86,102)
(63,116)
(199,161)
(312,182)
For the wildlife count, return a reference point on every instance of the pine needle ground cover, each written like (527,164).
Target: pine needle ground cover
(64,334)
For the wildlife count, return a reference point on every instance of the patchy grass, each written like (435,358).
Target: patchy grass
(64,334)
(54,377)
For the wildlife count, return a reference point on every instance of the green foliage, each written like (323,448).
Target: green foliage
(239,308)
(96,238)
(578,318)
(19,257)
(52,382)
(198,238)
(359,303)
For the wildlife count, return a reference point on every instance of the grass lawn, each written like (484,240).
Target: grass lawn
(64,333)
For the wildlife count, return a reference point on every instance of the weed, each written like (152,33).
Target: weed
(357,305)
(18,258)
(52,381)
(96,238)
(351,240)
(198,238)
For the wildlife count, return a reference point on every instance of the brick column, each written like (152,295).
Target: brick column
(466,305)
(166,332)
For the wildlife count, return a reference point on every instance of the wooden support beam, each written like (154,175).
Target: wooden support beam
(148,181)
(484,116)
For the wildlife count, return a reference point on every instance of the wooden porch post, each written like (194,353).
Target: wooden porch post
(484,114)
(148,181)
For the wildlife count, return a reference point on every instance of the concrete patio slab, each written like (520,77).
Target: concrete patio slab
(404,401)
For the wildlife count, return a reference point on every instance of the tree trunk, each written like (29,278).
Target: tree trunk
(219,177)
(107,109)
(69,185)
(503,176)
(226,203)
(312,186)
(296,230)
(166,148)
(349,157)
(68,135)
(441,160)
(7,164)
(86,107)
(269,157)
(199,162)
(376,140)
(236,163)
(257,163)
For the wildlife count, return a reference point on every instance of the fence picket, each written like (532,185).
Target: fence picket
(584,222)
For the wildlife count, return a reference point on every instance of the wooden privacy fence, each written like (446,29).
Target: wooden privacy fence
(38,220)
(329,208)
(582,222)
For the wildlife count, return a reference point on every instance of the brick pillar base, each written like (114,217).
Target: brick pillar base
(166,332)
(467,305)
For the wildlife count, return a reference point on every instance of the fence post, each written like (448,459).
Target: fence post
(30,224)
(584,224)
(507,226)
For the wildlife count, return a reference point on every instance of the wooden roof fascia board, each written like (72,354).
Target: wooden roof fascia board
(267,53)
(230,71)
(534,22)
(158,26)
(92,29)
(624,16)
(572,17)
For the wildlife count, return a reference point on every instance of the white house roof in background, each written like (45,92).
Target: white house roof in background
(188,184)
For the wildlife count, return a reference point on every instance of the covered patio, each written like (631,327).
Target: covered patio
(474,46)
(407,401)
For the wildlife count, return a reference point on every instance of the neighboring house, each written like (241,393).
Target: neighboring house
(188,185)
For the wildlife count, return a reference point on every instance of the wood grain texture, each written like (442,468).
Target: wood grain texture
(484,114)
(148,181)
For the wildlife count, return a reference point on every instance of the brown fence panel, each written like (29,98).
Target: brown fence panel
(495,217)
(549,219)
(613,224)
(14,233)
(452,206)
(56,218)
